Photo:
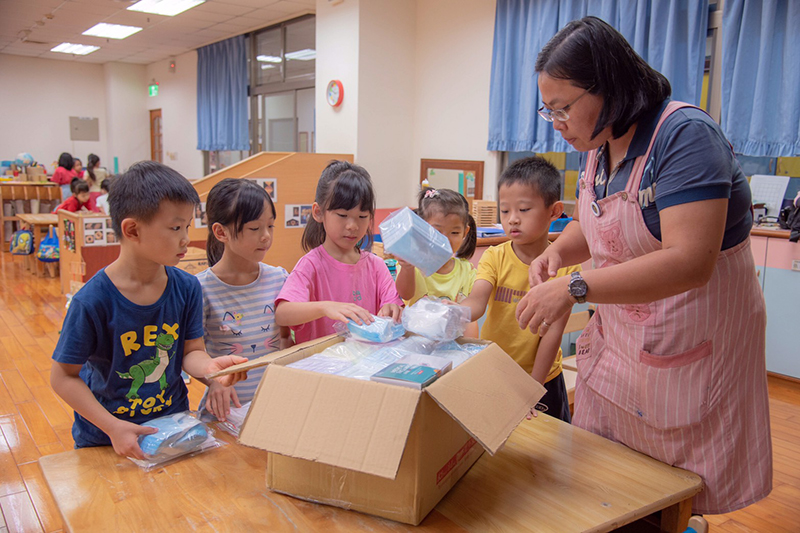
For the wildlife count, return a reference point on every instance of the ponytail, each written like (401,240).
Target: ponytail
(470,243)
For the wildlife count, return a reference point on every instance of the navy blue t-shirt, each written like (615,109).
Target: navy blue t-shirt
(131,354)
(691,161)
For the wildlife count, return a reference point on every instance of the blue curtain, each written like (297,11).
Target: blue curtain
(761,76)
(669,34)
(222,96)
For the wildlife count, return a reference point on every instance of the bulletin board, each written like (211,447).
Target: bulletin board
(464,177)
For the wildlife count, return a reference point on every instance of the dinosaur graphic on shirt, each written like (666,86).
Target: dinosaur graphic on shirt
(151,370)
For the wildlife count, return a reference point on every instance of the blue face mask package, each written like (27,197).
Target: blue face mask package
(410,238)
(382,330)
(178,434)
(436,320)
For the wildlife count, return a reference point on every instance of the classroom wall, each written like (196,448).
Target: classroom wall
(337,59)
(128,122)
(37,97)
(387,53)
(177,99)
(453,69)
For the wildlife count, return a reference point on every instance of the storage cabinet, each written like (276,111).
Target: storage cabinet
(782,293)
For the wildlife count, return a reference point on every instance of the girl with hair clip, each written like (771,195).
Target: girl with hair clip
(64,174)
(336,280)
(448,212)
(238,289)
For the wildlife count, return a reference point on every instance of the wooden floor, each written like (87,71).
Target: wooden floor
(35,422)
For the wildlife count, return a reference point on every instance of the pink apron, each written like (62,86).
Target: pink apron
(681,379)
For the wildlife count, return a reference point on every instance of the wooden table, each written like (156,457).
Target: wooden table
(41,222)
(550,476)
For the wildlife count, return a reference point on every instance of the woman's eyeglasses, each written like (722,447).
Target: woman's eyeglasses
(560,114)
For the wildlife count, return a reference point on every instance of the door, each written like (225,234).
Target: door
(156,145)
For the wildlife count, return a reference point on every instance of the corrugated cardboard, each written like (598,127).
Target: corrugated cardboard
(381,449)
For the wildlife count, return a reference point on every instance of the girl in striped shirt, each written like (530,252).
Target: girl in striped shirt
(239,290)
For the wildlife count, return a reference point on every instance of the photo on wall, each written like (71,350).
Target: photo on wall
(94,232)
(200,218)
(297,215)
(269,184)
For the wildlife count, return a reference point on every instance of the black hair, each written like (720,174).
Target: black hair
(65,160)
(75,161)
(233,202)
(593,55)
(78,186)
(342,185)
(449,202)
(106,184)
(139,191)
(537,173)
(91,162)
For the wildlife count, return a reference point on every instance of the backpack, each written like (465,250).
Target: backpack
(48,249)
(22,242)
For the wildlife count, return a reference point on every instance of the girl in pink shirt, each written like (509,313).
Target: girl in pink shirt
(336,280)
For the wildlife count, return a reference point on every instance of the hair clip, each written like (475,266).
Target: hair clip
(431,193)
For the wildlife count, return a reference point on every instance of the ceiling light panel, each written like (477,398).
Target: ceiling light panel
(112,31)
(168,8)
(77,49)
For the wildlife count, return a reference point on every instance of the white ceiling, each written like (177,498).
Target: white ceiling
(161,38)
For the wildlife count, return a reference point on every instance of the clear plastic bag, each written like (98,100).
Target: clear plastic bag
(234,420)
(455,352)
(179,434)
(381,330)
(335,359)
(410,238)
(436,320)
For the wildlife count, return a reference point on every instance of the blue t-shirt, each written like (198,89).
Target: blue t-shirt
(131,354)
(691,161)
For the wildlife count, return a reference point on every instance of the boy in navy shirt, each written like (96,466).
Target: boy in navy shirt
(137,322)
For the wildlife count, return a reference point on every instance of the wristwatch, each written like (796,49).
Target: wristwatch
(577,287)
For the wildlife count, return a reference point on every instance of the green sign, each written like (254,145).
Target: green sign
(153,90)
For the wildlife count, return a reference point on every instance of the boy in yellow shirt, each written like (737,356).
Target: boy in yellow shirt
(529,193)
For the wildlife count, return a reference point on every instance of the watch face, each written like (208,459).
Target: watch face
(334,93)
(577,287)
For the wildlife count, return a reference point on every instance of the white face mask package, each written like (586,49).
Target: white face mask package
(436,320)
(410,238)
(381,330)
(335,359)
(457,353)
(233,422)
(179,435)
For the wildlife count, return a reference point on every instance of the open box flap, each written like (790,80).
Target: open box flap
(312,346)
(349,423)
(488,396)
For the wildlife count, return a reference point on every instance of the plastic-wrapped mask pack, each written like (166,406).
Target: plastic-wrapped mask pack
(410,238)
(436,320)
(178,434)
(381,330)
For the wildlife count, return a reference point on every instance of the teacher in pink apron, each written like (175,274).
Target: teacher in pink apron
(672,364)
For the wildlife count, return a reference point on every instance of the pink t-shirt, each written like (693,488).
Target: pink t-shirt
(319,277)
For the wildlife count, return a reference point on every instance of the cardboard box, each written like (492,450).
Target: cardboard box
(381,449)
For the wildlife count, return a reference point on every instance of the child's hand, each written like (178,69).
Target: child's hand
(221,363)
(218,401)
(125,438)
(392,310)
(344,312)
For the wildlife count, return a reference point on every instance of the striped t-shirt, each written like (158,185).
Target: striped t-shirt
(240,320)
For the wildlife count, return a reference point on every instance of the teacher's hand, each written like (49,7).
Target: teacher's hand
(544,305)
(544,267)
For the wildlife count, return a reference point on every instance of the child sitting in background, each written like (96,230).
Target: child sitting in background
(102,200)
(81,199)
(529,192)
(239,290)
(336,280)
(137,322)
(64,174)
(448,212)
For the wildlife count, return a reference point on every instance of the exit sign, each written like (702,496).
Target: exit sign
(153,90)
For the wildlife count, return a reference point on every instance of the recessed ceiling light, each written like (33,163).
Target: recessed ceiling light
(306,54)
(168,8)
(112,31)
(77,49)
